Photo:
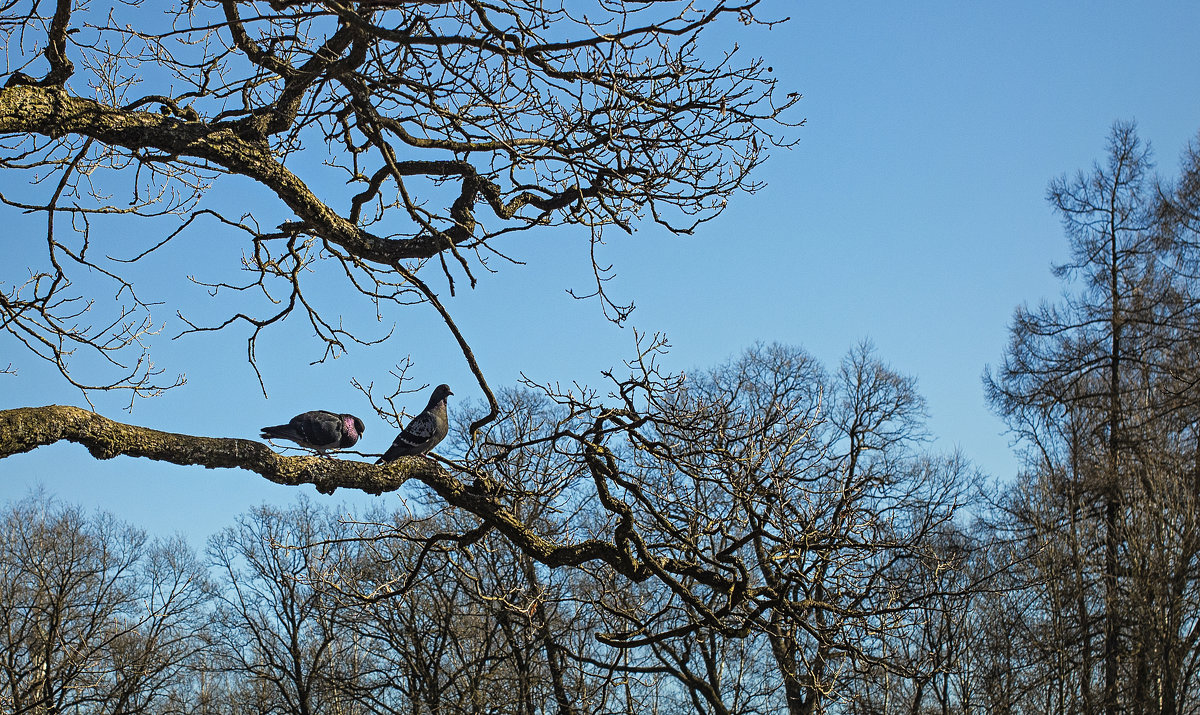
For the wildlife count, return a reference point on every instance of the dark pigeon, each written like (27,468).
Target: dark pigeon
(319,430)
(425,430)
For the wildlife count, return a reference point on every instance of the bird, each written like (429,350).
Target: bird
(319,430)
(425,430)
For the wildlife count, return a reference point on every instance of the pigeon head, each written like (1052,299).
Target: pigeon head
(440,393)
(357,424)
(352,429)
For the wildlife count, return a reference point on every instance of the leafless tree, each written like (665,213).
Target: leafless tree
(744,540)
(1100,389)
(459,628)
(279,632)
(392,145)
(763,511)
(760,537)
(94,616)
(929,664)
(656,542)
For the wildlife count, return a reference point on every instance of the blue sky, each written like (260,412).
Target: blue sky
(912,213)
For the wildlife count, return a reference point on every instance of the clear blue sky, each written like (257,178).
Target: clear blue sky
(912,213)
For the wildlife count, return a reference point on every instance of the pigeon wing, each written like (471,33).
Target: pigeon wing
(319,429)
(412,439)
(420,429)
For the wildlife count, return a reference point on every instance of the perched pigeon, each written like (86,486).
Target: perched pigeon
(319,430)
(425,430)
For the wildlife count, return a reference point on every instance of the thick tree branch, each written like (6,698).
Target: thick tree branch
(53,113)
(26,428)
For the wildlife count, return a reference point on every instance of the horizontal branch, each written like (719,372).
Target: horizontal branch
(26,428)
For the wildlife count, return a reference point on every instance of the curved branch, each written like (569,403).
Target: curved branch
(53,113)
(493,406)
(61,68)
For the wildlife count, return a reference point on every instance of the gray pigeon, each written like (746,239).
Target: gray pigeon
(425,430)
(319,430)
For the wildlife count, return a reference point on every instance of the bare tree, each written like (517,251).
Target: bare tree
(1074,364)
(460,621)
(763,511)
(279,632)
(459,628)
(750,539)
(662,540)
(1100,389)
(454,124)
(94,616)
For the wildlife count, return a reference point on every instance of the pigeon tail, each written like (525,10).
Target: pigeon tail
(280,432)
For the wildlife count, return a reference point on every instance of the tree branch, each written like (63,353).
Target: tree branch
(54,113)
(26,428)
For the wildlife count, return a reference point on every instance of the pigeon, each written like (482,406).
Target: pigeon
(319,430)
(425,430)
